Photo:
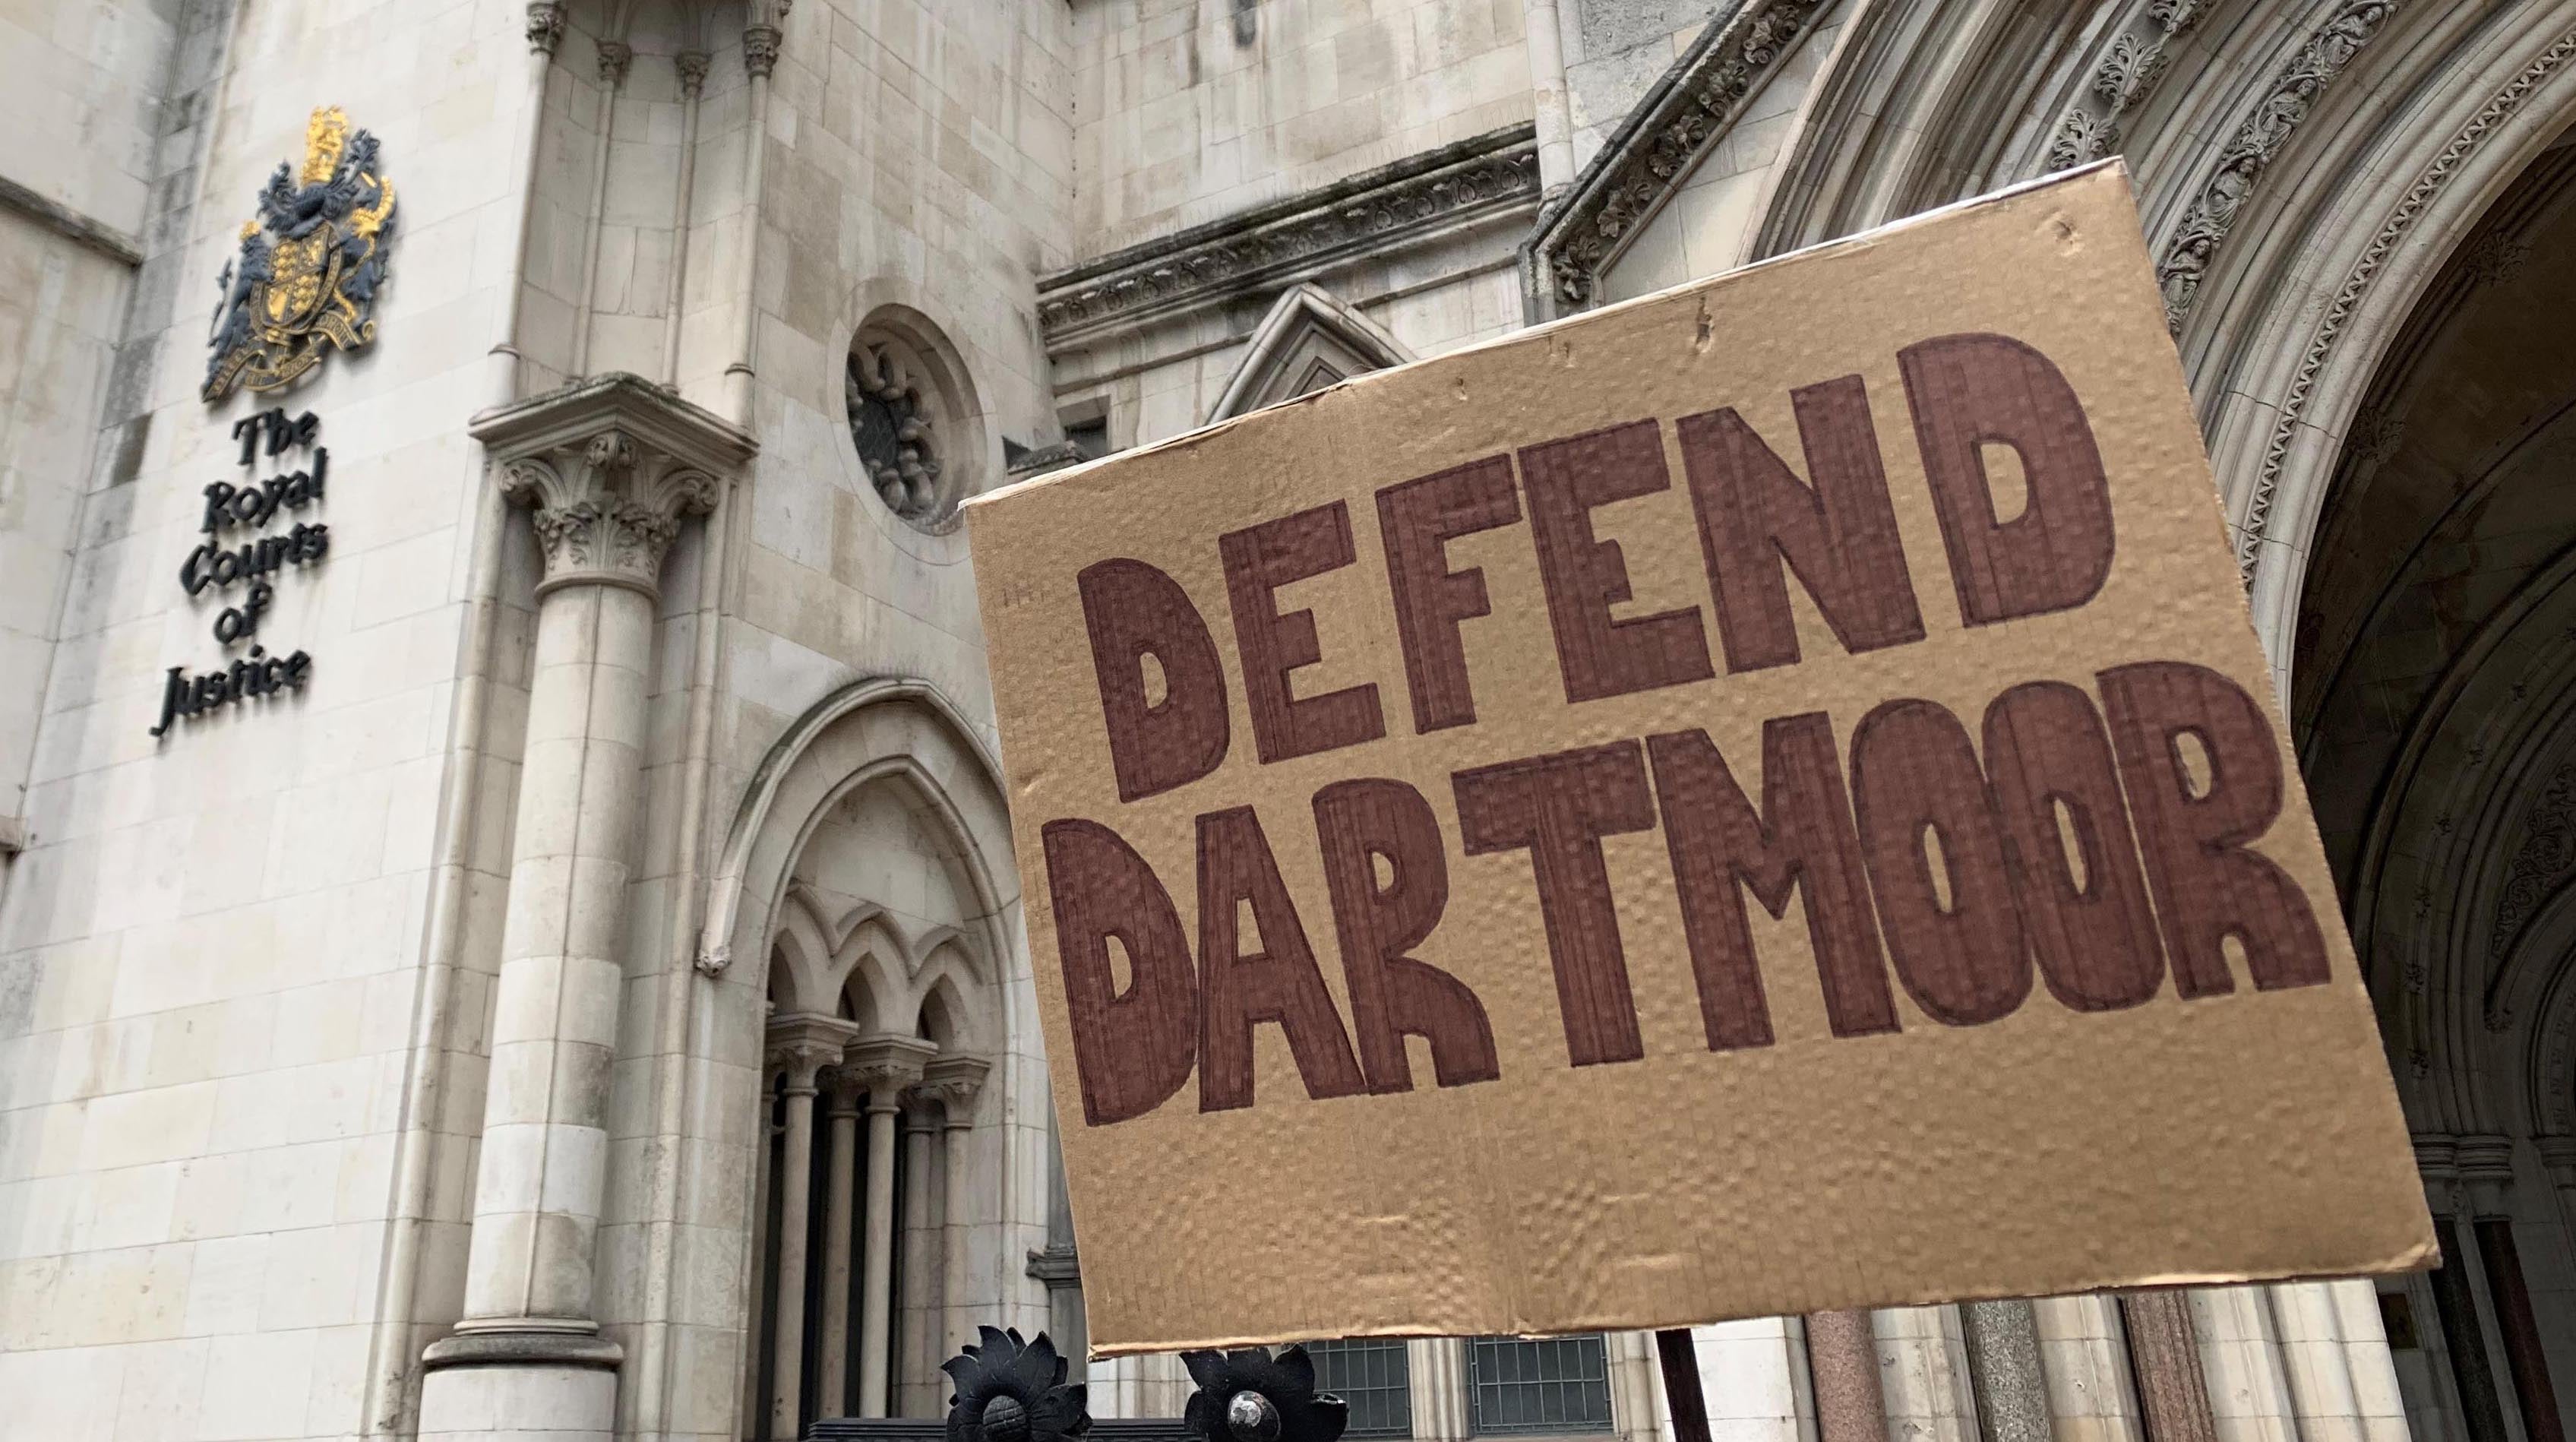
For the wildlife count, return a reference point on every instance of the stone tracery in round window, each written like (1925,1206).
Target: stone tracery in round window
(895,415)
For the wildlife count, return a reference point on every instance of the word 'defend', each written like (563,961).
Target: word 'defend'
(2056,820)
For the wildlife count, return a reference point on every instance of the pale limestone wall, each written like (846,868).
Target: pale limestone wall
(213,950)
(917,160)
(60,304)
(1707,226)
(79,101)
(1190,110)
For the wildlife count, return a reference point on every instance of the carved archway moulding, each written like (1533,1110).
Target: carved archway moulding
(2318,163)
(2423,912)
(924,738)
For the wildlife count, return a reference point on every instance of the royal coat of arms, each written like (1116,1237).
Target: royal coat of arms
(309,266)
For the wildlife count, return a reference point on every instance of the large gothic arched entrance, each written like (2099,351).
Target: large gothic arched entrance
(2434,696)
(899,1163)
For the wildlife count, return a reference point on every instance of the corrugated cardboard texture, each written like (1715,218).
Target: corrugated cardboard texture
(2061,998)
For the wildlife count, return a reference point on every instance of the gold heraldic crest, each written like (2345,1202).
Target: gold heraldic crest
(309,267)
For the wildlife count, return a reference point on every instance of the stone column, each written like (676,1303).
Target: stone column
(1842,1362)
(609,470)
(2164,1357)
(1925,1376)
(955,1080)
(2437,1159)
(756,1288)
(2486,1167)
(919,1305)
(886,1065)
(801,1046)
(2003,1361)
(2313,1361)
(839,1224)
(1436,1368)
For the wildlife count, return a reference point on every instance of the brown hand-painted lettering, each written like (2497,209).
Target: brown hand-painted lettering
(1394,994)
(1132,1049)
(1802,838)
(1585,576)
(1417,519)
(1258,561)
(1557,808)
(1840,537)
(1132,610)
(1968,391)
(2209,883)
(1279,983)
(1952,927)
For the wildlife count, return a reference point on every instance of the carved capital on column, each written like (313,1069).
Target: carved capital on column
(801,1044)
(693,72)
(920,1113)
(2437,1161)
(760,49)
(614,57)
(2558,1154)
(2486,1169)
(844,1089)
(887,1066)
(954,1081)
(1057,1265)
(610,466)
(545,25)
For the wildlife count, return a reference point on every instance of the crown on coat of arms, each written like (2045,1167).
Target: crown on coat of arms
(305,276)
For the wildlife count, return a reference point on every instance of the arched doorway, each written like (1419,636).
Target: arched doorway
(2434,698)
(899,1170)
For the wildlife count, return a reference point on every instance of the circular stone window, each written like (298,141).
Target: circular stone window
(899,416)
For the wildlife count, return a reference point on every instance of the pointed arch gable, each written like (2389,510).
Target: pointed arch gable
(869,729)
(1310,339)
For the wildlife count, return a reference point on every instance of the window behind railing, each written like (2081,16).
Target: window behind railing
(1546,1384)
(1373,1377)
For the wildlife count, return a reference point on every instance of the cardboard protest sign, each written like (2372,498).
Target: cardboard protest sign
(1760,799)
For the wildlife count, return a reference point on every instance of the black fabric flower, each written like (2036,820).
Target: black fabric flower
(1251,1396)
(1012,1391)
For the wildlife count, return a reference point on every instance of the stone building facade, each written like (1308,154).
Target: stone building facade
(588,999)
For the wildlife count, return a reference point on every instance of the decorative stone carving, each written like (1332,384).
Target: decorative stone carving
(954,1081)
(2541,864)
(1418,198)
(2494,258)
(893,424)
(610,466)
(2130,66)
(2357,283)
(887,1066)
(2081,136)
(692,65)
(545,25)
(1652,152)
(1057,1264)
(801,1044)
(2375,435)
(2221,195)
(760,49)
(614,58)
(2486,1172)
